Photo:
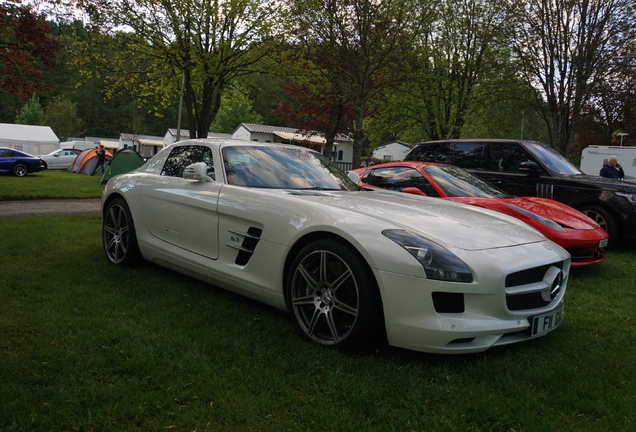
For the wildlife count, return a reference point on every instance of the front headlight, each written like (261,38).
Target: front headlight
(438,262)
(545,221)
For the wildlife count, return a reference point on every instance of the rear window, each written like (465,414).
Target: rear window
(466,155)
(433,152)
(470,155)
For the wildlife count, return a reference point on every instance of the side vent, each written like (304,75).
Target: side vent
(246,249)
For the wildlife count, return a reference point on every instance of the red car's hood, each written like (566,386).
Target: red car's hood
(560,213)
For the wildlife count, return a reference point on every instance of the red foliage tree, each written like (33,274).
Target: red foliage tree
(316,108)
(26,48)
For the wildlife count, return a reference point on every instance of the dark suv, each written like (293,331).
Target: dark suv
(527,168)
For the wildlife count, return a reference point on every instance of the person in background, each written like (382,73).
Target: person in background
(101,156)
(612,169)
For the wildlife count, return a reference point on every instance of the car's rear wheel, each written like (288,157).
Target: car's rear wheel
(19,169)
(605,219)
(118,234)
(333,298)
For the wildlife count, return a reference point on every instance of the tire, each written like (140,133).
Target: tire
(19,169)
(608,222)
(45,165)
(118,234)
(333,298)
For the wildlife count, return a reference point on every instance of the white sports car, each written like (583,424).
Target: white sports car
(281,224)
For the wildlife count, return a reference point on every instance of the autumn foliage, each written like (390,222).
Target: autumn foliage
(314,106)
(26,48)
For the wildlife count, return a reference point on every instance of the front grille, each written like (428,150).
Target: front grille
(528,289)
(528,276)
(525,301)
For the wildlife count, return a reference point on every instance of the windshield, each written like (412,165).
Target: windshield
(552,159)
(456,182)
(282,168)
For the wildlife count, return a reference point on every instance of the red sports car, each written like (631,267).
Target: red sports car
(567,227)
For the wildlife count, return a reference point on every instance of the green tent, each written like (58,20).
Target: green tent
(125,160)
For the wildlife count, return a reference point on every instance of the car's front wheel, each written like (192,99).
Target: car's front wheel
(20,169)
(118,234)
(606,221)
(333,297)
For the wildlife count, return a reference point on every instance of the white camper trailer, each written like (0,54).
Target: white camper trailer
(592,159)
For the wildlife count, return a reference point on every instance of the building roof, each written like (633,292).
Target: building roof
(256,128)
(27,133)
(134,137)
(393,142)
(173,132)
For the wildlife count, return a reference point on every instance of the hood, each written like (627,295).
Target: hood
(447,223)
(560,213)
(627,186)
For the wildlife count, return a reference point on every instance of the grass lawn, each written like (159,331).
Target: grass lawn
(86,345)
(50,184)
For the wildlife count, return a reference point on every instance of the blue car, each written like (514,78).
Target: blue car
(18,163)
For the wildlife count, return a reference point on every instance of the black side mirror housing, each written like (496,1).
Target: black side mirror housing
(532,169)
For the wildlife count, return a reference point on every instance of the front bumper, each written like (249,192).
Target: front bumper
(496,309)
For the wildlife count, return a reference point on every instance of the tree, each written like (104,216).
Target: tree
(462,52)
(26,49)
(152,40)
(567,48)
(236,108)
(61,115)
(31,113)
(361,47)
(314,105)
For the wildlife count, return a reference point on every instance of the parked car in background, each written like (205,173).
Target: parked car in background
(60,159)
(528,168)
(18,163)
(567,227)
(283,225)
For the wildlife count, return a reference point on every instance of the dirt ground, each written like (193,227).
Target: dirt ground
(52,207)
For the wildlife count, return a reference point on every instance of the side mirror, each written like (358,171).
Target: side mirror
(413,190)
(197,171)
(354,177)
(532,169)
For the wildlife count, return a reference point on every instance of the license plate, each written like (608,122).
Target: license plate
(603,243)
(541,324)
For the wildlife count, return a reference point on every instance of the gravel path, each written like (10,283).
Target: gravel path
(52,207)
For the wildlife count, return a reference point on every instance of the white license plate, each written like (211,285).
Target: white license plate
(603,243)
(542,324)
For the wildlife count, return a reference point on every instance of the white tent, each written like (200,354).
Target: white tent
(35,140)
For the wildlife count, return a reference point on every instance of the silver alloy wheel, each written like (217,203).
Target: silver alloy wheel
(116,233)
(325,297)
(20,169)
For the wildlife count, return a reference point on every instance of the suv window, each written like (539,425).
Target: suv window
(506,157)
(469,155)
(398,178)
(182,156)
(437,152)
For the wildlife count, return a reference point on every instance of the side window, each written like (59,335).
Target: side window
(6,153)
(398,178)
(182,156)
(469,155)
(506,157)
(436,152)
